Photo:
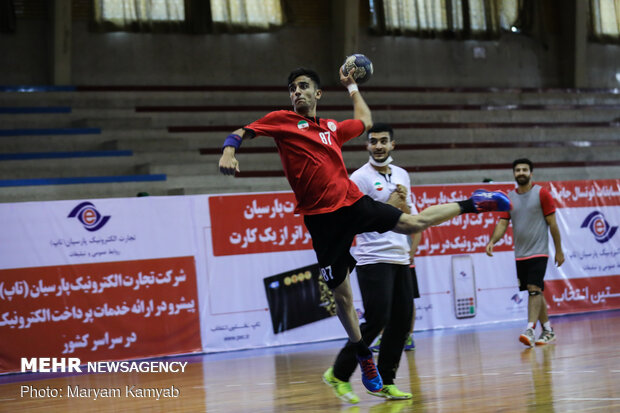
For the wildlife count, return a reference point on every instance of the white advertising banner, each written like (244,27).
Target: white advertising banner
(139,277)
(106,279)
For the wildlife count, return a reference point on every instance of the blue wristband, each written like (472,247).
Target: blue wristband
(232,140)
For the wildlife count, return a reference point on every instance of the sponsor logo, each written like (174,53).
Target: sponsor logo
(516,298)
(302,124)
(88,216)
(331,126)
(599,227)
(378,186)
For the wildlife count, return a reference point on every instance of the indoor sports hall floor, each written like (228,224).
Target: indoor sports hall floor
(482,369)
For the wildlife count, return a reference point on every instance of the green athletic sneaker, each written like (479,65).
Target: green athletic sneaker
(409,344)
(391,392)
(342,389)
(376,345)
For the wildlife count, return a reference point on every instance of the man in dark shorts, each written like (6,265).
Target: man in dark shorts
(334,209)
(533,217)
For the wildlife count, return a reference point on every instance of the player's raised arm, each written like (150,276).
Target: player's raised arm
(228,163)
(361,110)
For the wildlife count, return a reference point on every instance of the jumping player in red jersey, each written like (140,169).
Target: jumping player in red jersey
(334,209)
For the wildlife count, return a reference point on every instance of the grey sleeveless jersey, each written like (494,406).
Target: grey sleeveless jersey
(531,232)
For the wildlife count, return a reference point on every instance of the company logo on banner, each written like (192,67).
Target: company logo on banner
(88,216)
(464,234)
(248,224)
(599,226)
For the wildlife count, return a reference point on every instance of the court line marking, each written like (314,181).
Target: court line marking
(264,384)
(297,382)
(233,385)
(490,374)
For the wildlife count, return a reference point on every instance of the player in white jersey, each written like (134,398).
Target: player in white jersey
(383,273)
(533,217)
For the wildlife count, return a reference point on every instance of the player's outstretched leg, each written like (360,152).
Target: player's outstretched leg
(480,201)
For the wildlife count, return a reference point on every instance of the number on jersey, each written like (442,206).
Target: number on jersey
(326,138)
(326,273)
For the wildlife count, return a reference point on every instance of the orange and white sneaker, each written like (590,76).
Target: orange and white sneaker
(527,337)
(546,337)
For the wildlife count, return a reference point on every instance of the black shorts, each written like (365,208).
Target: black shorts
(414,282)
(531,271)
(333,233)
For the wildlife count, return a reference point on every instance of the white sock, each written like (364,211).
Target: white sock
(530,325)
(547,326)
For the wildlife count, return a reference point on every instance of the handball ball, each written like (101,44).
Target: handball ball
(362,66)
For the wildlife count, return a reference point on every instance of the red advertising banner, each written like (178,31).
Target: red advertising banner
(567,194)
(103,311)
(254,223)
(576,295)
(464,234)
(258,223)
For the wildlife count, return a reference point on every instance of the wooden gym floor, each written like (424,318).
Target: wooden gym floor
(482,369)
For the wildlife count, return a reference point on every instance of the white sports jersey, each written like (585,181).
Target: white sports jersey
(389,247)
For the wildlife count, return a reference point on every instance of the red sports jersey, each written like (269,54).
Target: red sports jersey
(312,158)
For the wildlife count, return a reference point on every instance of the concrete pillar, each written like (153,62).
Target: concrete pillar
(581,42)
(61,42)
(345,29)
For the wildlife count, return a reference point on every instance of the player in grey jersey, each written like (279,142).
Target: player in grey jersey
(533,217)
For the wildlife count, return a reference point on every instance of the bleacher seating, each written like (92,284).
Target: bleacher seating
(96,142)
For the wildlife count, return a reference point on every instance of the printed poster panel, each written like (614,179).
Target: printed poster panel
(588,219)
(262,285)
(103,311)
(459,284)
(105,279)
